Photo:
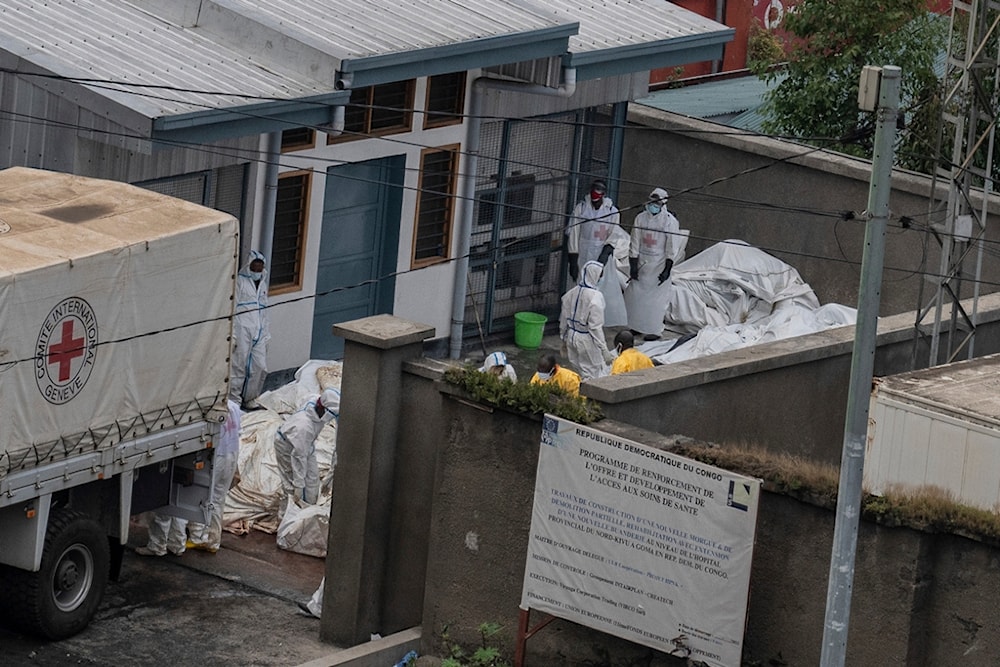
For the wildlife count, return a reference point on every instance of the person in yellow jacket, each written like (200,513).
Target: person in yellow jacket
(629,359)
(549,372)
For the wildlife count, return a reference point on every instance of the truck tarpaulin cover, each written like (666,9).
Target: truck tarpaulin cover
(116,305)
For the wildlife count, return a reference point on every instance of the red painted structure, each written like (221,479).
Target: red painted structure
(741,15)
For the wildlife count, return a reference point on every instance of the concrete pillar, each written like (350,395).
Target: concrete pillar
(375,350)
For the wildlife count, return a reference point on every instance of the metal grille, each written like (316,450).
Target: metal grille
(530,174)
(189,187)
(223,189)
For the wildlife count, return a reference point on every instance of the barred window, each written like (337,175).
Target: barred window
(435,204)
(297,139)
(445,99)
(290,215)
(378,110)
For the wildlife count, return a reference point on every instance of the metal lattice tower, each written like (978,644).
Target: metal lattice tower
(968,121)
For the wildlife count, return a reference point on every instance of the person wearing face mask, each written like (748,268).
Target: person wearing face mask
(581,324)
(594,232)
(629,359)
(657,244)
(251,331)
(549,372)
(295,446)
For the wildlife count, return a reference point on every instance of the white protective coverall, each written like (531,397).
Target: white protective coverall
(589,229)
(581,324)
(496,363)
(295,446)
(208,537)
(166,533)
(251,331)
(655,239)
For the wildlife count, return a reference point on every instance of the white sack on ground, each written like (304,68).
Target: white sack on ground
(254,502)
(732,283)
(788,322)
(734,296)
(304,528)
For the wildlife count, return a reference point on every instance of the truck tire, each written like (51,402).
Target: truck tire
(61,598)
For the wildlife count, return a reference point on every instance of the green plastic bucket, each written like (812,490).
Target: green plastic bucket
(528,330)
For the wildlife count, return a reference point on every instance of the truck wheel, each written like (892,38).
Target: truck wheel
(59,600)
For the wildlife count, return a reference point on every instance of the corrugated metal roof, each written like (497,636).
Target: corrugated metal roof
(351,29)
(614,24)
(113,41)
(613,36)
(732,102)
(711,98)
(194,61)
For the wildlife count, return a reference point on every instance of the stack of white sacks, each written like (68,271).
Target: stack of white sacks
(256,501)
(733,295)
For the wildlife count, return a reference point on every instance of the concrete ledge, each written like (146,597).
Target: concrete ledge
(384,652)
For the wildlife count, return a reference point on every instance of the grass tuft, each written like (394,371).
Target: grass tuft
(928,508)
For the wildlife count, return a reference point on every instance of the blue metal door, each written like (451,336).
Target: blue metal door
(358,248)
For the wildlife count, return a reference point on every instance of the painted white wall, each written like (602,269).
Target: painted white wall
(423,295)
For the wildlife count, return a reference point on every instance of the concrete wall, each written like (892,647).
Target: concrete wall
(786,199)
(458,509)
(789,395)
(919,599)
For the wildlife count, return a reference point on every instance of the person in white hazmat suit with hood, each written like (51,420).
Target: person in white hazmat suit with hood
(175,535)
(251,331)
(581,325)
(594,232)
(295,446)
(657,243)
(208,537)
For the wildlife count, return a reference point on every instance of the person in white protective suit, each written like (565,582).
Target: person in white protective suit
(581,325)
(594,232)
(251,331)
(208,537)
(166,534)
(295,446)
(657,244)
(496,364)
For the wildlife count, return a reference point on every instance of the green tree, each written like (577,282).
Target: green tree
(828,44)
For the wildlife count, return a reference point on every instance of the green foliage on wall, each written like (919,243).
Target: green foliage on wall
(523,396)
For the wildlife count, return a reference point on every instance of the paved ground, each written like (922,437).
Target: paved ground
(235,607)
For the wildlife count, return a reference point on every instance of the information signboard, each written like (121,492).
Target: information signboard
(641,543)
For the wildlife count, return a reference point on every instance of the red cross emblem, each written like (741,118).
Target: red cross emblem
(602,232)
(67,349)
(649,239)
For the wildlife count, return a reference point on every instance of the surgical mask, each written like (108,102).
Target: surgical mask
(654,209)
(544,376)
(256,275)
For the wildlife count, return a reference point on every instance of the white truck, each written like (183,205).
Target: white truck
(116,311)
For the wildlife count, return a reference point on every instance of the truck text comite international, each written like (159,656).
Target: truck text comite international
(115,320)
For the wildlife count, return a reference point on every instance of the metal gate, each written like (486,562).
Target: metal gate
(531,174)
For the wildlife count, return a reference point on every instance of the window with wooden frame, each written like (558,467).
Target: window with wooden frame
(435,204)
(297,139)
(378,110)
(290,215)
(445,99)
